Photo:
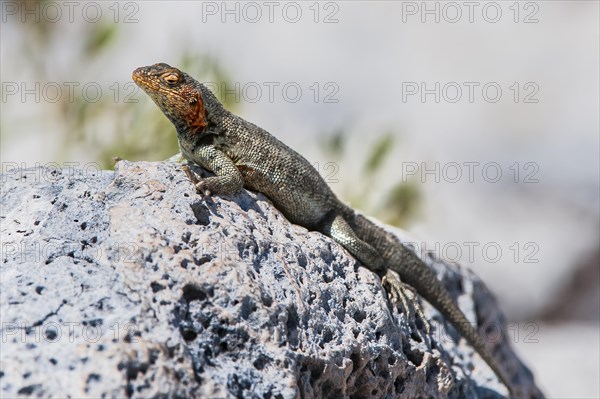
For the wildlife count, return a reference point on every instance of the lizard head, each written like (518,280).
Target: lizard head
(175,93)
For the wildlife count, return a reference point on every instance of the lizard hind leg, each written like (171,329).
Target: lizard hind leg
(337,228)
(398,292)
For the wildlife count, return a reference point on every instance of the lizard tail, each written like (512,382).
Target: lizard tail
(416,273)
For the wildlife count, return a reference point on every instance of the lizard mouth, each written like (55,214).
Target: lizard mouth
(149,83)
(144,80)
(138,78)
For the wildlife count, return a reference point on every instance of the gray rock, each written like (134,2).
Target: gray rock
(129,284)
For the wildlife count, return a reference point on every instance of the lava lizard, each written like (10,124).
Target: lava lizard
(241,154)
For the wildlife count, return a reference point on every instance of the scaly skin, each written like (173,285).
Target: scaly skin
(241,154)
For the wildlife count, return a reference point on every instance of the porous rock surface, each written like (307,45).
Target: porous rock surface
(127,283)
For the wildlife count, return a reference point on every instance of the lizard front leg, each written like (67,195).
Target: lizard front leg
(228,179)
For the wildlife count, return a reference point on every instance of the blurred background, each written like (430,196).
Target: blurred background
(473,125)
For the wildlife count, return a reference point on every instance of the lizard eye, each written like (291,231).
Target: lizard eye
(171,78)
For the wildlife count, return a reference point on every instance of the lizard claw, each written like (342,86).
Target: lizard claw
(398,292)
(201,188)
(198,183)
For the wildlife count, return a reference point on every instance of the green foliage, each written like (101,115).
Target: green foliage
(99,37)
(334,144)
(400,204)
(152,139)
(379,153)
(123,122)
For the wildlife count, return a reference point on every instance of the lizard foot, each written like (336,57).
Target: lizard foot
(399,295)
(200,184)
(201,188)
